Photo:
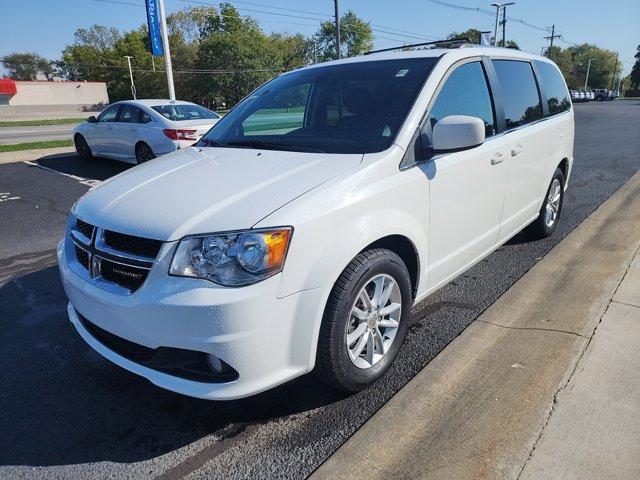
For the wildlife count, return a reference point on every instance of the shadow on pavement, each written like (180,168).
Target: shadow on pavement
(96,169)
(63,404)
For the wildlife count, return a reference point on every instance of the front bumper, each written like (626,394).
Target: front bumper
(267,340)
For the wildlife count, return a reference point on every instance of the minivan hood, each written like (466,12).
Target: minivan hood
(203,190)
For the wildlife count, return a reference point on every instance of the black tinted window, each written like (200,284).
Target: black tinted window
(554,88)
(519,92)
(465,93)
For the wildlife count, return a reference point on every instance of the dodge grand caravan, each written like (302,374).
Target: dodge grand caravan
(298,233)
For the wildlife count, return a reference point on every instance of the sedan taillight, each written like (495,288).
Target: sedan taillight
(180,134)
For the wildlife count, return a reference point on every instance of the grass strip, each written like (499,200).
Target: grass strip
(16,147)
(41,123)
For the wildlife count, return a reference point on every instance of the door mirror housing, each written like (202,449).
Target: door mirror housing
(92,119)
(457,132)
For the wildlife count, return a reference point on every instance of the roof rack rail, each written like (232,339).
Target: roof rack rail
(449,43)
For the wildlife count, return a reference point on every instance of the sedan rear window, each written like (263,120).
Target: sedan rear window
(181,112)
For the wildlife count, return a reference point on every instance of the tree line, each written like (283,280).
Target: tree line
(219,56)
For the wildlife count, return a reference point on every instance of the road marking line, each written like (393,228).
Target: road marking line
(4,197)
(83,181)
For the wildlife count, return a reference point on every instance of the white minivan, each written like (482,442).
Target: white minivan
(298,233)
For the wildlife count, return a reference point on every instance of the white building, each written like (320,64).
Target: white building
(47,93)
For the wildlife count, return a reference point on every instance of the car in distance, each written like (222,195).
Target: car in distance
(602,94)
(298,233)
(136,131)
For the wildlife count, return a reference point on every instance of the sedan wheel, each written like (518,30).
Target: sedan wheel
(144,153)
(82,148)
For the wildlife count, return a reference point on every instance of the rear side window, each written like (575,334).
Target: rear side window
(129,114)
(519,91)
(554,88)
(465,92)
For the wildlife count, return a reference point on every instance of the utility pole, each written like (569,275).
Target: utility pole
(504,22)
(167,52)
(338,52)
(551,38)
(133,87)
(586,80)
(613,76)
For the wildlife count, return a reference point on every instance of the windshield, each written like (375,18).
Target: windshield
(346,108)
(181,111)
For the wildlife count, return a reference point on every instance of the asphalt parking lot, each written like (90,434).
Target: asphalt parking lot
(68,413)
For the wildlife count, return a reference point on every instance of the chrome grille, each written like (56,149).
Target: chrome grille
(113,258)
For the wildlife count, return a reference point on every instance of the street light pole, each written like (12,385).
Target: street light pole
(133,87)
(167,52)
(503,22)
(495,28)
(586,80)
(338,52)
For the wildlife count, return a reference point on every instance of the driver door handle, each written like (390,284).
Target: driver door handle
(497,158)
(517,150)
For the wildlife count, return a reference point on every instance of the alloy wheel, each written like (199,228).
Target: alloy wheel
(552,208)
(373,321)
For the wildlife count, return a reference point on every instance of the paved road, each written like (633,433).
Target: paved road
(35,134)
(68,413)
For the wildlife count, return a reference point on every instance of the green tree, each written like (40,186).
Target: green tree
(634,77)
(356,37)
(25,66)
(473,34)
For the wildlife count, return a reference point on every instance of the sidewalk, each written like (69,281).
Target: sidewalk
(36,154)
(544,384)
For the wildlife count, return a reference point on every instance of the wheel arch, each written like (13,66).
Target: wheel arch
(406,250)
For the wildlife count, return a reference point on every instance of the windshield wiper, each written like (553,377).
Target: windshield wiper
(210,143)
(272,146)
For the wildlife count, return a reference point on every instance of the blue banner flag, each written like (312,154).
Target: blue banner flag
(155,31)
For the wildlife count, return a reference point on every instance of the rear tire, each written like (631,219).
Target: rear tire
(547,221)
(144,153)
(82,148)
(358,344)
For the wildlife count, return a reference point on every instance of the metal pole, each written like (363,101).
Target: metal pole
(338,52)
(167,52)
(495,28)
(133,87)
(504,24)
(586,80)
(153,63)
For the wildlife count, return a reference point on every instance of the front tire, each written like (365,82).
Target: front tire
(547,221)
(144,153)
(365,321)
(82,148)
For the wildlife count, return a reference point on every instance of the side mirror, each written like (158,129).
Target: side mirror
(457,132)
(92,119)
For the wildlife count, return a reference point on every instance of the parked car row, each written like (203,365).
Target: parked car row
(600,94)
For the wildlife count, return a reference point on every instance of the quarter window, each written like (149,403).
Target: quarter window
(519,92)
(554,88)
(465,92)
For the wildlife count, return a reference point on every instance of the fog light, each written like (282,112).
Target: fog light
(215,363)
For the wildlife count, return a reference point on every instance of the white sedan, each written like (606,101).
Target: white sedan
(136,131)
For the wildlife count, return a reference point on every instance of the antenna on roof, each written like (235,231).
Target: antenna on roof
(447,43)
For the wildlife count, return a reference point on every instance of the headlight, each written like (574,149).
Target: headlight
(232,259)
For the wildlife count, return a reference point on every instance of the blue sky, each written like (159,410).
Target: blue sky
(46,26)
